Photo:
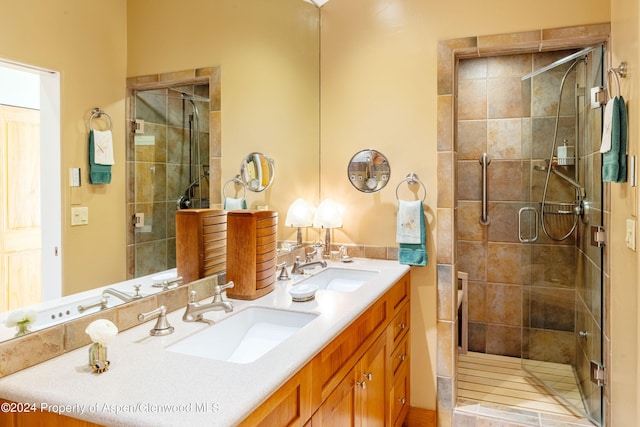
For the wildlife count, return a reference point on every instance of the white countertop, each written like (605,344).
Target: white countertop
(149,386)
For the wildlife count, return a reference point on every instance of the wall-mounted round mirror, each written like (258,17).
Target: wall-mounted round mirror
(256,172)
(369,171)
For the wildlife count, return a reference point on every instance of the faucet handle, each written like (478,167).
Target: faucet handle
(308,257)
(217,290)
(192,296)
(284,274)
(137,289)
(162,326)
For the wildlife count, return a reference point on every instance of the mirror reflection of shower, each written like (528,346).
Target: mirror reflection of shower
(194,196)
(169,166)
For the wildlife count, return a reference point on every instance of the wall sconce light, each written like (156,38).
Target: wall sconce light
(328,216)
(300,214)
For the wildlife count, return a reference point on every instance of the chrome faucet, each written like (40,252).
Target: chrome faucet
(123,295)
(195,310)
(299,267)
(102,304)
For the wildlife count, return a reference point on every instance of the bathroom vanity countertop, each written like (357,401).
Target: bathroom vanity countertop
(149,386)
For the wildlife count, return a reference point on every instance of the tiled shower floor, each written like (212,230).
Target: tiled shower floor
(495,391)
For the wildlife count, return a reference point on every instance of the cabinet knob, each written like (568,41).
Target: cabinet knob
(402,325)
(402,400)
(402,357)
(361,384)
(368,376)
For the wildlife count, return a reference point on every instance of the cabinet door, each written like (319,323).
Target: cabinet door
(340,407)
(372,391)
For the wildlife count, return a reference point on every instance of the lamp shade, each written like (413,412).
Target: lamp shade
(300,214)
(328,215)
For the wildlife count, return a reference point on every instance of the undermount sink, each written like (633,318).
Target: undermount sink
(340,279)
(245,336)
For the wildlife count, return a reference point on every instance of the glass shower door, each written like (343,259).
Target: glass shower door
(562,271)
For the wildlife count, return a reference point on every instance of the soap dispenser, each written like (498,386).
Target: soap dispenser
(566,155)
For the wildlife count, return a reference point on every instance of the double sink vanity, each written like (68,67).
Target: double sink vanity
(270,361)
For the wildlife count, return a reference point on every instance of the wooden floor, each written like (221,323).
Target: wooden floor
(496,387)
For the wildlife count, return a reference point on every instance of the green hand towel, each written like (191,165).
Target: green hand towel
(622,155)
(415,254)
(611,159)
(98,174)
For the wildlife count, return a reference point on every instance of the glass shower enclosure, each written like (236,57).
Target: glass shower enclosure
(561,264)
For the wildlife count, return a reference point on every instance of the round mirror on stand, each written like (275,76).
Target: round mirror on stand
(256,172)
(369,171)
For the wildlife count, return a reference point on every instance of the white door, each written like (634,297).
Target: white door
(20,224)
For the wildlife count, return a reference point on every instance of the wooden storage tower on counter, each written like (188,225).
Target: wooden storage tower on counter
(251,253)
(201,241)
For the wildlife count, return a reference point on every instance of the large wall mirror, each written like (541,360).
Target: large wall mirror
(257,117)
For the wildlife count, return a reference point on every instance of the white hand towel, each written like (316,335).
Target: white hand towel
(606,127)
(231,204)
(408,225)
(103,147)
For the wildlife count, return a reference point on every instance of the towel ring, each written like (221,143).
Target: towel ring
(620,71)
(412,178)
(235,180)
(97,113)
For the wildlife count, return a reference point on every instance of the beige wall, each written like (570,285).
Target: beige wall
(623,282)
(378,89)
(86,42)
(269,56)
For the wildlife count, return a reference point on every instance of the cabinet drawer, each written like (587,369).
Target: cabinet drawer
(400,324)
(400,356)
(400,293)
(399,398)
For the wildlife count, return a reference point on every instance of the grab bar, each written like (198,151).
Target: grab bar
(484,217)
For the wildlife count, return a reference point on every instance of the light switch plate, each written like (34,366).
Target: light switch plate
(630,235)
(75,177)
(80,215)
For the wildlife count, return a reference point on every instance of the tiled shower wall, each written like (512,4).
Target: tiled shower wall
(496,116)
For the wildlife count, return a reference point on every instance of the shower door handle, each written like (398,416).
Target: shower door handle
(522,237)
(484,217)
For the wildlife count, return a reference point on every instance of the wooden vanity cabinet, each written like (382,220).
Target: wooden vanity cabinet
(361,378)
